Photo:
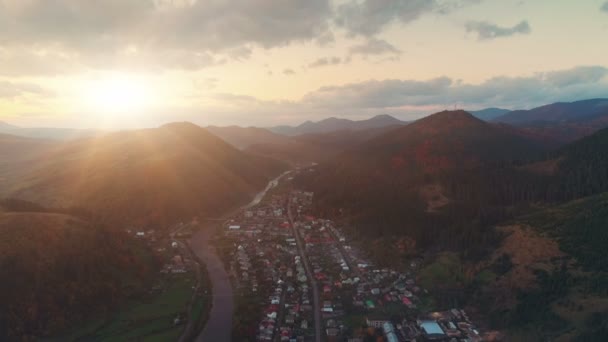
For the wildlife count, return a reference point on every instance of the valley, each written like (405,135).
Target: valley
(448,224)
(303,171)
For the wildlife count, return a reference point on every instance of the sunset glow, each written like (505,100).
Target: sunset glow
(117,95)
(275,62)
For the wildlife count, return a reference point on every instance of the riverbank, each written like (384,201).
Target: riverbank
(219,323)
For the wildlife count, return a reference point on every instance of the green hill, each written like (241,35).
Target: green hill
(58,270)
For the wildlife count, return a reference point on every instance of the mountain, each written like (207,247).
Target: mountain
(508,234)
(448,139)
(18,155)
(305,148)
(147,177)
(440,171)
(317,147)
(59,270)
(558,112)
(15,148)
(47,133)
(563,121)
(489,114)
(337,124)
(244,137)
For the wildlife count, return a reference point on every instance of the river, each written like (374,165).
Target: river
(219,324)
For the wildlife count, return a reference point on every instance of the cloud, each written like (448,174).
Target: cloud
(289,72)
(414,98)
(487,31)
(191,33)
(325,61)
(576,76)
(377,94)
(374,46)
(11,90)
(407,99)
(604,7)
(24,62)
(541,88)
(369,17)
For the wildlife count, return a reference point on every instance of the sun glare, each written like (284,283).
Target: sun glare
(118,95)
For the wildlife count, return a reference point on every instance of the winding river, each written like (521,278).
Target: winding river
(219,325)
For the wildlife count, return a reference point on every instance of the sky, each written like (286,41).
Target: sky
(142,63)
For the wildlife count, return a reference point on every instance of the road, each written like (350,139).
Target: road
(346,256)
(315,289)
(219,324)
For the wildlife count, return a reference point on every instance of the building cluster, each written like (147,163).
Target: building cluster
(355,297)
(265,264)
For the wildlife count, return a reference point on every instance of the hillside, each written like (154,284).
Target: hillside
(442,171)
(18,155)
(58,270)
(582,167)
(153,176)
(563,121)
(336,124)
(15,148)
(554,284)
(444,183)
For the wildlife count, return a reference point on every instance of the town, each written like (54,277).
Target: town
(297,278)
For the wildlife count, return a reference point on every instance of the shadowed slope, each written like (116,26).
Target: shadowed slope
(148,176)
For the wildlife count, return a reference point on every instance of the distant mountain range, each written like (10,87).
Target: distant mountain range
(47,132)
(311,147)
(560,112)
(563,122)
(337,124)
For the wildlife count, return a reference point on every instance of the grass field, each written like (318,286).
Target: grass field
(146,320)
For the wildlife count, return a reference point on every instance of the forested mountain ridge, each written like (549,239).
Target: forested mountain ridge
(418,180)
(525,242)
(450,173)
(152,176)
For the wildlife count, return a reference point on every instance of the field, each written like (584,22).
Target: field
(151,319)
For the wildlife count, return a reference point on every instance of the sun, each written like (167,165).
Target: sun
(117,94)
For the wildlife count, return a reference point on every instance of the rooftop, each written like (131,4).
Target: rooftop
(431,328)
